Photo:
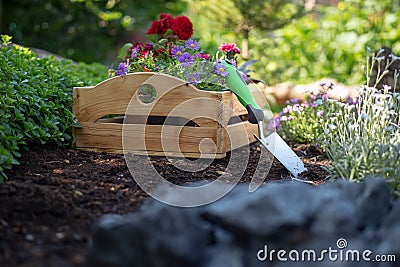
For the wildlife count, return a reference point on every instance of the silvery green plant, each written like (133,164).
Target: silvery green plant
(363,138)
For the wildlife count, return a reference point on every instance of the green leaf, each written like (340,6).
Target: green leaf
(123,52)
(6,39)
(76,124)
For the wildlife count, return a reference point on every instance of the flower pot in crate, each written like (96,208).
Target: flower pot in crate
(158,114)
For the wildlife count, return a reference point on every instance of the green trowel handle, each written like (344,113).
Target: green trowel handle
(238,86)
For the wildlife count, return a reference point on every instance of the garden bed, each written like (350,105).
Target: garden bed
(54,196)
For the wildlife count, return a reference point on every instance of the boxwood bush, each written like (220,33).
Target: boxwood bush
(35,99)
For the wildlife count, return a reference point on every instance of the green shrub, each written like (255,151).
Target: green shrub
(35,99)
(328,43)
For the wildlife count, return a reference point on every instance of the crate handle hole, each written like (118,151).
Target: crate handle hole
(148,120)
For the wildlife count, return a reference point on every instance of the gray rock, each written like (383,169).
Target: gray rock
(224,255)
(231,231)
(159,235)
(393,219)
(272,211)
(389,247)
(389,235)
(335,212)
(373,203)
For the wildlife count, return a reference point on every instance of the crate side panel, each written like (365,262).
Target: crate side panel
(109,97)
(239,134)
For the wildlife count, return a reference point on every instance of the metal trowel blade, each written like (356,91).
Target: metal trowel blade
(278,147)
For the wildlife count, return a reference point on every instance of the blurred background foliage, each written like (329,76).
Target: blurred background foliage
(293,40)
(330,40)
(83,30)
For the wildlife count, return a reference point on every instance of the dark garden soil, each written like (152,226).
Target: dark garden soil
(50,201)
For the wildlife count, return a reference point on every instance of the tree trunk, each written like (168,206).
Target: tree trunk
(1,12)
(245,44)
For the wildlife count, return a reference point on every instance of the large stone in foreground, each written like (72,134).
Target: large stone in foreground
(243,228)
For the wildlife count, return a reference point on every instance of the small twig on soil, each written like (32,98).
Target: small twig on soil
(303,181)
(53,161)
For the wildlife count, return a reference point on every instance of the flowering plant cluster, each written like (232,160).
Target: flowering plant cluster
(360,135)
(171,50)
(304,122)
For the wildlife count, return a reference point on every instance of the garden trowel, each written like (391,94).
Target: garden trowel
(274,143)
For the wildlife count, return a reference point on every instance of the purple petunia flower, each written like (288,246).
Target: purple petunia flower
(122,69)
(320,113)
(295,100)
(275,123)
(283,118)
(135,52)
(193,78)
(297,108)
(220,70)
(312,97)
(177,51)
(233,62)
(192,44)
(148,47)
(186,59)
(286,109)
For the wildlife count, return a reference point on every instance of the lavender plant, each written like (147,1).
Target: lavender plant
(365,137)
(361,136)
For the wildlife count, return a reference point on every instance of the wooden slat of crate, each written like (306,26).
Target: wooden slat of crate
(142,139)
(146,139)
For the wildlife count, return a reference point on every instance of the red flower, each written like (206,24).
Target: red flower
(159,51)
(155,27)
(161,26)
(145,69)
(182,27)
(229,47)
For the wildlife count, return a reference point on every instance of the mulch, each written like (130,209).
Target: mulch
(51,200)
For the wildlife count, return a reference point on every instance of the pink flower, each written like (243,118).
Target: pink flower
(229,48)
(201,55)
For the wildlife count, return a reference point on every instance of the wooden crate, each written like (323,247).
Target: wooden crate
(181,121)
